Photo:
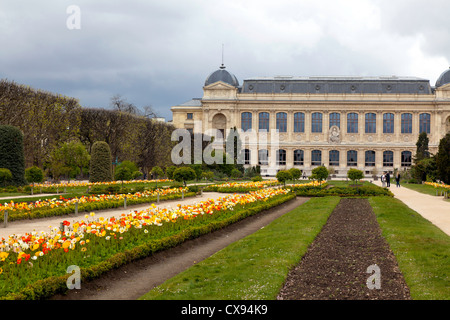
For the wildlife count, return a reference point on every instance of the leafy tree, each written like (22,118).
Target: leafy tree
(425,170)
(5,176)
(184,174)
(100,167)
(295,173)
(283,176)
(208,175)
(157,172)
(169,172)
(319,173)
(12,153)
(355,175)
(34,174)
(235,173)
(123,173)
(443,159)
(422,147)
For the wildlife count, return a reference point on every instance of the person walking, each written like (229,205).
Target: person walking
(388,180)
(397,179)
(383,180)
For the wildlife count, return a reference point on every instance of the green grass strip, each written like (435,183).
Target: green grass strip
(256,266)
(422,249)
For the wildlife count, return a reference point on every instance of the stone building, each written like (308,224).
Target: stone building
(368,123)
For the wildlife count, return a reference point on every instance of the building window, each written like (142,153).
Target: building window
(370,158)
(281,157)
(282,122)
(316,122)
(335,119)
(388,123)
(334,158)
(316,158)
(352,123)
(298,157)
(190,116)
(264,121)
(263,157)
(247,154)
(299,122)
(388,159)
(246,121)
(406,159)
(352,158)
(424,122)
(371,123)
(406,123)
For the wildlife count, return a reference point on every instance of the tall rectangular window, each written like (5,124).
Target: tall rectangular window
(370,158)
(264,121)
(388,123)
(334,158)
(316,122)
(406,158)
(406,123)
(281,157)
(352,123)
(388,159)
(190,116)
(316,158)
(263,157)
(299,122)
(335,119)
(282,121)
(371,123)
(298,157)
(424,122)
(246,121)
(352,158)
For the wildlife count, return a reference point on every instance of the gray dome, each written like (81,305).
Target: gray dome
(222,75)
(444,78)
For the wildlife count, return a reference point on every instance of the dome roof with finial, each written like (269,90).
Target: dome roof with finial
(222,75)
(444,78)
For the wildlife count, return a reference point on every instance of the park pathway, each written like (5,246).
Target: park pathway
(434,209)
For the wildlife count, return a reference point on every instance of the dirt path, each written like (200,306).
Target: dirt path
(335,266)
(132,281)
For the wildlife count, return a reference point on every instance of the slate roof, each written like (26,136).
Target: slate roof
(338,85)
(444,78)
(222,75)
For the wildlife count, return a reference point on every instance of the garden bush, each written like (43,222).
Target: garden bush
(12,154)
(100,166)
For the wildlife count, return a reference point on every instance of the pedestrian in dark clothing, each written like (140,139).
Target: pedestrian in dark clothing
(388,180)
(397,179)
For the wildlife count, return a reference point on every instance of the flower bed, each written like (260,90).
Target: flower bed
(33,266)
(438,185)
(61,206)
(233,187)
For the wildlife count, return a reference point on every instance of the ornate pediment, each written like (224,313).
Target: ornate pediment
(219,90)
(443,92)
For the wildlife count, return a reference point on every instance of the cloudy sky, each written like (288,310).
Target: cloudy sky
(159,53)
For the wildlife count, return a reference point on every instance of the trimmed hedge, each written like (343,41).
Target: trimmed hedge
(53,285)
(12,154)
(363,191)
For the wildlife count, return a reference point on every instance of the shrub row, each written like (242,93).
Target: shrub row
(57,284)
(363,191)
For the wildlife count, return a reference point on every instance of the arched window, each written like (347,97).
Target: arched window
(352,158)
(406,123)
(264,121)
(370,158)
(246,121)
(334,158)
(388,123)
(316,122)
(299,122)
(335,119)
(406,159)
(424,122)
(282,121)
(298,157)
(316,158)
(281,157)
(371,123)
(388,159)
(263,157)
(352,123)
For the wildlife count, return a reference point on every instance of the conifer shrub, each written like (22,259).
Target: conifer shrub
(100,167)
(12,154)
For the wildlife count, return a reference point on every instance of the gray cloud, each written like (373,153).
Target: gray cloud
(160,52)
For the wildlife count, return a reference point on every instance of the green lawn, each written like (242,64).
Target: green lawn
(254,267)
(422,250)
(423,188)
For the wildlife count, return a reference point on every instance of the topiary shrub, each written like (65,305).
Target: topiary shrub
(11,153)
(100,167)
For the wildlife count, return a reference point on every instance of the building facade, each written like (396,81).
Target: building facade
(368,123)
